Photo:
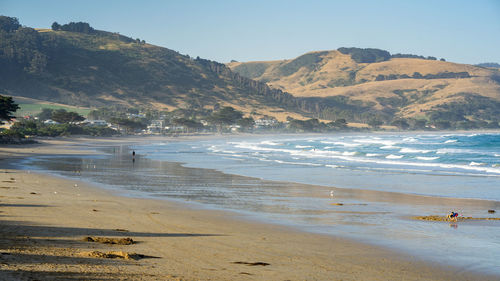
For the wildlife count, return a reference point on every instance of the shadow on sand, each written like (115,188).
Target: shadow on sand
(23,244)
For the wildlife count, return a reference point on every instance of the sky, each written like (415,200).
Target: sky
(460,31)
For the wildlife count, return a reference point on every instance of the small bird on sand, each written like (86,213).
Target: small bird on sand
(331,193)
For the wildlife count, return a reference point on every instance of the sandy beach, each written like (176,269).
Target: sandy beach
(46,223)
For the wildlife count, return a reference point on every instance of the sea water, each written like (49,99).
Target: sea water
(361,186)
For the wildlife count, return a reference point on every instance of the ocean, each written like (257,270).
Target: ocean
(360,186)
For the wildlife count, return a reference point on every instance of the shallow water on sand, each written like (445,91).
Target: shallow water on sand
(290,180)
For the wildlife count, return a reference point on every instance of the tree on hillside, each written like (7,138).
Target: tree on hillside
(419,124)
(401,124)
(56,26)
(7,108)
(45,114)
(442,124)
(368,55)
(310,125)
(129,124)
(82,27)
(375,123)
(246,123)
(187,123)
(63,116)
(9,24)
(226,116)
(338,124)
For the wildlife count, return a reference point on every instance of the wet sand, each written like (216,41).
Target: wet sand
(46,223)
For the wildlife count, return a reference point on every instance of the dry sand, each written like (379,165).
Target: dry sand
(46,223)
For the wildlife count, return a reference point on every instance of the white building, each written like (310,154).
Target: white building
(265,123)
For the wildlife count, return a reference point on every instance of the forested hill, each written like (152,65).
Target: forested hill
(392,85)
(77,65)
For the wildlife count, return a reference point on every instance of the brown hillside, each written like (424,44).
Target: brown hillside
(331,73)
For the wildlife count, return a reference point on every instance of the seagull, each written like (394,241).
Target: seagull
(331,193)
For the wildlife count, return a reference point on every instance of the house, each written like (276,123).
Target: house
(235,128)
(265,123)
(155,127)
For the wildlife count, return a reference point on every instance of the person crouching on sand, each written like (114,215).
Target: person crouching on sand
(452,216)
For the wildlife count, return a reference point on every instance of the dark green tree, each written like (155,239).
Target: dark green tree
(56,26)
(189,124)
(310,125)
(45,114)
(7,108)
(401,123)
(9,24)
(417,75)
(419,124)
(375,123)
(338,124)
(63,116)
(129,124)
(226,116)
(442,124)
(246,123)
(81,27)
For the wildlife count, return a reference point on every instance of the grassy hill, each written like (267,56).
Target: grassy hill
(399,86)
(31,107)
(93,68)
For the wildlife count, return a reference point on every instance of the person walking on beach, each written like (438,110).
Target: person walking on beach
(133,155)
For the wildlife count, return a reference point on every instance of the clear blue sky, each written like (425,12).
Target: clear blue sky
(458,30)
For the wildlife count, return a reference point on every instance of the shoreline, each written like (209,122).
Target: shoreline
(291,254)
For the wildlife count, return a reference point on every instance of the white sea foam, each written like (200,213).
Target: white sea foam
(450,141)
(370,158)
(345,144)
(349,153)
(331,166)
(303,146)
(411,150)
(376,141)
(214,148)
(228,151)
(238,156)
(497,155)
(454,151)
(427,158)
(476,164)
(389,147)
(392,156)
(270,143)
(410,139)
